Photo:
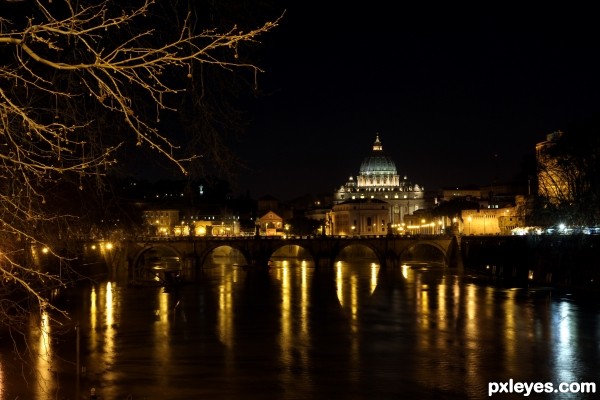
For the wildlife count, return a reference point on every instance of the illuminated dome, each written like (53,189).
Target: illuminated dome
(378,163)
(379,184)
(378,171)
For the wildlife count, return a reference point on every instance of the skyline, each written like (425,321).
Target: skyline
(453,104)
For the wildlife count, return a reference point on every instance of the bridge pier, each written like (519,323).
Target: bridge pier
(324,262)
(190,267)
(390,261)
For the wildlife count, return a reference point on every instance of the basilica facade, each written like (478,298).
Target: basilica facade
(375,201)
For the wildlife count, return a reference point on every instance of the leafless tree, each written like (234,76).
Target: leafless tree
(79,82)
(568,177)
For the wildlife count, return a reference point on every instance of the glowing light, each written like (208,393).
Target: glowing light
(405,271)
(45,355)
(373,280)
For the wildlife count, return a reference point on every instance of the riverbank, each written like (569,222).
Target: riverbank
(565,263)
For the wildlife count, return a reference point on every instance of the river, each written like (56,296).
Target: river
(420,332)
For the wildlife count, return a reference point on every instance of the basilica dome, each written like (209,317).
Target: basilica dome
(377,183)
(378,163)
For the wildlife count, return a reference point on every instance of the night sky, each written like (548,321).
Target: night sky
(456,97)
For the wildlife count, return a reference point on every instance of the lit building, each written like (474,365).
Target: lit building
(493,221)
(378,180)
(161,222)
(271,224)
(361,217)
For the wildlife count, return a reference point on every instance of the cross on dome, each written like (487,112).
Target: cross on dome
(377,145)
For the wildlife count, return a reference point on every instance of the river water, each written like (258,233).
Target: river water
(355,332)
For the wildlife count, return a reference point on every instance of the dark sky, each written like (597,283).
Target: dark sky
(456,98)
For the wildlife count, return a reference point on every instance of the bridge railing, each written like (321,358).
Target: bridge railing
(288,237)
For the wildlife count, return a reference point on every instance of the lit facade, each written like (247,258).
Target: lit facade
(378,179)
(271,224)
(492,221)
(161,222)
(361,217)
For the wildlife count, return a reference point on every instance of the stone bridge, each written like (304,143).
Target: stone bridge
(391,251)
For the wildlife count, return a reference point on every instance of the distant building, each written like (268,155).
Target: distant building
(361,217)
(269,203)
(271,224)
(497,195)
(161,222)
(378,179)
(494,221)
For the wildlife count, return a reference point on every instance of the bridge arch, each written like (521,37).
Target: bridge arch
(159,252)
(205,253)
(358,249)
(299,250)
(424,251)
(323,250)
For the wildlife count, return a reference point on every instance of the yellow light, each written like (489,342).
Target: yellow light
(109,246)
(45,250)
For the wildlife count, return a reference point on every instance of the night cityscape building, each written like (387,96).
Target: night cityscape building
(375,202)
(378,182)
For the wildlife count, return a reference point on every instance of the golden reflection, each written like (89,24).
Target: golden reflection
(162,350)
(457,297)
(225,314)
(93,314)
(473,358)
(109,338)
(45,385)
(286,313)
(423,306)
(354,302)
(471,312)
(339,281)
(374,271)
(442,306)
(304,299)
(490,300)
(286,336)
(405,270)
(510,326)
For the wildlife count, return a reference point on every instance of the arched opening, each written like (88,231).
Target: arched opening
(423,255)
(356,270)
(223,261)
(291,251)
(158,265)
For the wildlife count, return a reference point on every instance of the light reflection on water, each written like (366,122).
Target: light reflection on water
(293,332)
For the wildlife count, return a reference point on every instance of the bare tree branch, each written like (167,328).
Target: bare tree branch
(76,83)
